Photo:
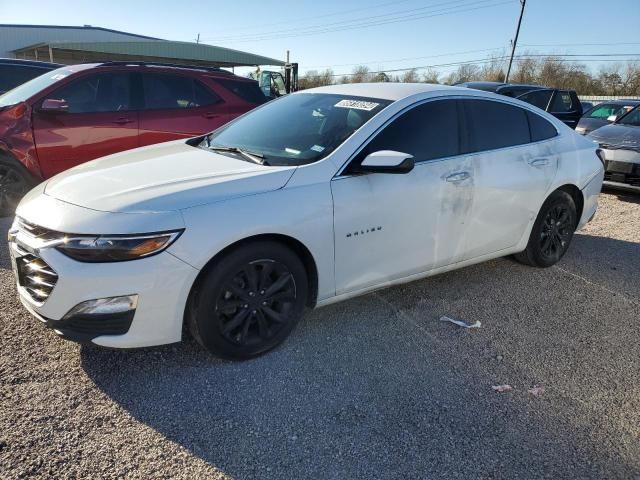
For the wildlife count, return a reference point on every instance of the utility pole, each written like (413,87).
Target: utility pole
(198,39)
(515,41)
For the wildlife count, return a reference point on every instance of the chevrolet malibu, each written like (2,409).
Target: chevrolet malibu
(314,198)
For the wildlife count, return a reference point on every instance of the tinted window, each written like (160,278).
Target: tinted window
(247,91)
(29,89)
(540,128)
(105,92)
(605,110)
(495,125)
(427,131)
(631,118)
(174,91)
(539,98)
(11,76)
(562,103)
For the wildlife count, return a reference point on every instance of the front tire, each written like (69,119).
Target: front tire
(14,184)
(249,301)
(552,231)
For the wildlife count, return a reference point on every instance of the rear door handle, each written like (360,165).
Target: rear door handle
(210,115)
(539,162)
(123,121)
(457,177)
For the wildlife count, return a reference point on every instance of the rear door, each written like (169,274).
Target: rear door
(514,167)
(566,107)
(177,106)
(99,121)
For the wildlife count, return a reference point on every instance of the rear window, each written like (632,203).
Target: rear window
(540,128)
(166,92)
(539,98)
(562,103)
(495,125)
(247,91)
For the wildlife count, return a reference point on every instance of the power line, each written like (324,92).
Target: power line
(366,22)
(482,62)
(343,22)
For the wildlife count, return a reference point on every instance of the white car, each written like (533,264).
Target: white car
(313,198)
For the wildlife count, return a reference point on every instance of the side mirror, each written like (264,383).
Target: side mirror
(612,118)
(387,161)
(54,105)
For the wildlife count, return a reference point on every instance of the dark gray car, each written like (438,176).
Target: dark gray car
(620,143)
(601,114)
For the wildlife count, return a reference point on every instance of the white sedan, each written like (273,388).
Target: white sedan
(313,198)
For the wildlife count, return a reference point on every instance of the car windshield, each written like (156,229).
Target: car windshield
(605,110)
(297,129)
(27,90)
(632,118)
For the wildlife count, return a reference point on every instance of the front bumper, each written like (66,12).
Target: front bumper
(622,166)
(162,282)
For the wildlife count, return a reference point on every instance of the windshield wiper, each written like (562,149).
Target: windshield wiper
(255,157)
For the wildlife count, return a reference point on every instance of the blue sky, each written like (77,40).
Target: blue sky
(432,31)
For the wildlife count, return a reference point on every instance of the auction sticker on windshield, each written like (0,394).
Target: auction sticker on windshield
(357,105)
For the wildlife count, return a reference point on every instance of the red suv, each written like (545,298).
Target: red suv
(78,113)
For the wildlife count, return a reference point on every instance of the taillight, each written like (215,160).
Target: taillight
(600,154)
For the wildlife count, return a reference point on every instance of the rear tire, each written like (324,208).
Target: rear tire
(552,231)
(15,182)
(249,301)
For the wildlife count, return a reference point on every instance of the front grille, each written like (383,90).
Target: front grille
(35,276)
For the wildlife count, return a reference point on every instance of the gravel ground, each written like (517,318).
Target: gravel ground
(375,387)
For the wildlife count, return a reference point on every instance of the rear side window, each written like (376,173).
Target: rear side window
(165,92)
(538,98)
(104,92)
(13,75)
(427,132)
(540,128)
(247,91)
(494,125)
(562,103)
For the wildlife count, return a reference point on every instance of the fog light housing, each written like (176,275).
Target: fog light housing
(104,307)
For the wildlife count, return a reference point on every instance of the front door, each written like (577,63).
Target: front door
(99,120)
(390,226)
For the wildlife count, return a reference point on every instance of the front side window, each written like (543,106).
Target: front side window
(562,103)
(428,131)
(632,118)
(538,98)
(167,92)
(246,90)
(494,125)
(27,90)
(297,129)
(104,92)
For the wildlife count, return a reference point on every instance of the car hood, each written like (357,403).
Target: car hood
(618,136)
(586,125)
(164,177)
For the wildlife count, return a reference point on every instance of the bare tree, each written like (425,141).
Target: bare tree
(410,76)
(313,78)
(361,74)
(431,75)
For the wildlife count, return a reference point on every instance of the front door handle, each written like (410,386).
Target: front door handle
(457,177)
(210,115)
(122,121)
(539,162)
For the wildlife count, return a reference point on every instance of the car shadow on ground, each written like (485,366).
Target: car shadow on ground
(630,195)
(377,387)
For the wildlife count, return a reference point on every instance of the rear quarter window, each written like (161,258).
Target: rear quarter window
(540,128)
(247,91)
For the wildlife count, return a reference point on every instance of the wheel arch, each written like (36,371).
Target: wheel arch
(577,195)
(299,248)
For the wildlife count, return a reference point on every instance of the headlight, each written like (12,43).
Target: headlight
(116,248)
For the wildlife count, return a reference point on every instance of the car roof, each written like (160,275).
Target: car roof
(386,90)
(621,101)
(28,63)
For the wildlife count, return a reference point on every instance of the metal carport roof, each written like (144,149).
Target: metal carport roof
(185,53)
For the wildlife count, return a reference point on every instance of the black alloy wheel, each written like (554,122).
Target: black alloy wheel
(552,231)
(249,301)
(14,184)
(255,304)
